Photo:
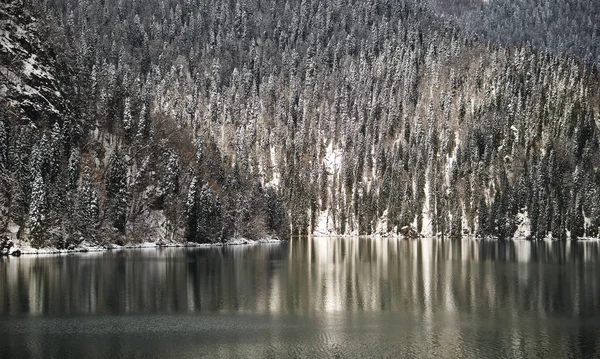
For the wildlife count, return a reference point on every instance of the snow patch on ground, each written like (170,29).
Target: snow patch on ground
(523,226)
(332,163)
(587,224)
(324,225)
(25,248)
(466,228)
(333,159)
(382,224)
(241,240)
(32,67)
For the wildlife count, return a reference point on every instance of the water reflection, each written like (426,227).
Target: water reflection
(457,297)
(311,276)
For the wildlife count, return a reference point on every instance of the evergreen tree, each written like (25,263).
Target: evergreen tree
(209,216)
(171,175)
(127,117)
(192,212)
(73,170)
(38,211)
(116,189)
(3,146)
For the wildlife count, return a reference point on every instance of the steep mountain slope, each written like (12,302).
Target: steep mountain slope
(559,26)
(364,116)
(69,174)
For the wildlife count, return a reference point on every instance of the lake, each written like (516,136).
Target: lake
(310,297)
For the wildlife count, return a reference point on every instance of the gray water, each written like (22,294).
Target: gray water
(321,297)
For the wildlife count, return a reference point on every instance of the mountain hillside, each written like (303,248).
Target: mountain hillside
(83,163)
(559,26)
(360,117)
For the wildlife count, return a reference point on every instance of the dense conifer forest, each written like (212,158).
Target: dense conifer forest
(182,120)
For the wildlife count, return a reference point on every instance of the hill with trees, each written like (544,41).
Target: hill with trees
(205,120)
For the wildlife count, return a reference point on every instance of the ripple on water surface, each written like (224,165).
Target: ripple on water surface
(345,297)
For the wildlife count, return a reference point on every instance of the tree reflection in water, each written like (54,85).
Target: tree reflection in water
(417,296)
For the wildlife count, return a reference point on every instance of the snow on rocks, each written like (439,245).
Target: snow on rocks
(523,226)
(25,248)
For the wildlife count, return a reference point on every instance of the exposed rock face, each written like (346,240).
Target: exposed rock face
(29,87)
(409,232)
(86,155)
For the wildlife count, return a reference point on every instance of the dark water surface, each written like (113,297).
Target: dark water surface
(318,297)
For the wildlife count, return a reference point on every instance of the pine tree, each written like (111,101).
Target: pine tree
(116,188)
(456,226)
(171,175)
(142,128)
(191,212)
(127,117)
(74,162)
(209,216)
(276,219)
(38,211)
(482,217)
(56,151)
(88,199)
(3,146)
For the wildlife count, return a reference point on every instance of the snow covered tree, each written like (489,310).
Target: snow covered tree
(142,124)
(38,211)
(171,174)
(192,212)
(56,150)
(3,145)
(127,117)
(74,162)
(88,199)
(116,188)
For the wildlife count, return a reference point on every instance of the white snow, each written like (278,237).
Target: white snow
(324,225)
(587,224)
(6,43)
(241,240)
(523,226)
(333,159)
(12,227)
(332,162)
(276,175)
(515,133)
(466,228)
(32,67)
(26,249)
(426,228)
(382,224)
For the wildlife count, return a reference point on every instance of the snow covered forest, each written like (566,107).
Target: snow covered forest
(184,120)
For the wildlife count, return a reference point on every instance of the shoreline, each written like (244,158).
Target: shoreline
(27,250)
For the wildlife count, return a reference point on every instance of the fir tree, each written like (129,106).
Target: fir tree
(38,211)
(192,212)
(116,188)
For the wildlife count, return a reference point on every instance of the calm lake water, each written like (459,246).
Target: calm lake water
(317,297)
